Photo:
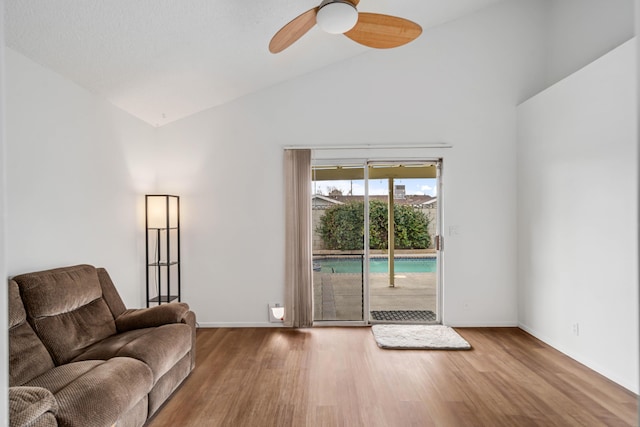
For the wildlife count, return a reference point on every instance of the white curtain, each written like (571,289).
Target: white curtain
(298,244)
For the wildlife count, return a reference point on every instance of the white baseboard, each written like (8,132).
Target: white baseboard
(329,323)
(239,325)
(506,324)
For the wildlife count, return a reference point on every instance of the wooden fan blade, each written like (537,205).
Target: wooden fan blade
(354,2)
(291,32)
(383,31)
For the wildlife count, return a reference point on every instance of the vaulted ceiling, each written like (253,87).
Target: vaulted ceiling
(162,60)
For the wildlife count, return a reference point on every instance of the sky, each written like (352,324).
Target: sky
(426,186)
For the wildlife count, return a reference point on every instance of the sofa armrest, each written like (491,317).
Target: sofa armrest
(151,317)
(32,406)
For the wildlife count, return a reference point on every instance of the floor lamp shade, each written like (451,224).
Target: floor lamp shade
(162,211)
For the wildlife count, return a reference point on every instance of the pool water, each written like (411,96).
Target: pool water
(376,265)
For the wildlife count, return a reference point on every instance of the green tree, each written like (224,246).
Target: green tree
(342,227)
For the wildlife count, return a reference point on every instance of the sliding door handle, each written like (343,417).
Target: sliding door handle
(438,242)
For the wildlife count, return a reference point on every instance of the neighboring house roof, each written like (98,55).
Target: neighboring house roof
(409,199)
(319,197)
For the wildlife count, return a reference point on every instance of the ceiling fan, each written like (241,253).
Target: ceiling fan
(341,17)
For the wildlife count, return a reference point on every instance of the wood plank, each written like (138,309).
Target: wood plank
(339,377)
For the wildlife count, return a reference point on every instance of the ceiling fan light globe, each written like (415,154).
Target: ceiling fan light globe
(337,17)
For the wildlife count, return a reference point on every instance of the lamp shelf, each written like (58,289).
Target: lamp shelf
(162,264)
(164,298)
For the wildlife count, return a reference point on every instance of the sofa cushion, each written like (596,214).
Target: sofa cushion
(66,309)
(96,392)
(110,294)
(28,357)
(160,347)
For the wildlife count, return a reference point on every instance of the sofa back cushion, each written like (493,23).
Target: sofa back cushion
(110,294)
(28,357)
(66,309)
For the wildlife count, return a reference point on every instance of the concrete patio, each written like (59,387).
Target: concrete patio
(338,296)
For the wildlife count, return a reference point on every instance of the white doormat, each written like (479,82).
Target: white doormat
(414,337)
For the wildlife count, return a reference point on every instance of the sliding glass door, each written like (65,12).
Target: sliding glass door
(338,242)
(375,227)
(402,232)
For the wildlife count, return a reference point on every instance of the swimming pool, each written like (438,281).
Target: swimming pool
(376,265)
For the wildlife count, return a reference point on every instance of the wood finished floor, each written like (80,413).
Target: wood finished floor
(339,377)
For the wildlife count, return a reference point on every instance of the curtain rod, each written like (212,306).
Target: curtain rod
(366,146)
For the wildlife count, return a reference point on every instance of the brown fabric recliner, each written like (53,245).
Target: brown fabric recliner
(71,334)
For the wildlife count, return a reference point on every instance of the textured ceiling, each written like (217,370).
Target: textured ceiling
(162,60)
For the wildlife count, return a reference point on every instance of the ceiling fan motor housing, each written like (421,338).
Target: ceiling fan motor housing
(336,16)
(373,30)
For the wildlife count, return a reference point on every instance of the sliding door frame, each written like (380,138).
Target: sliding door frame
(365,162)
(440,248)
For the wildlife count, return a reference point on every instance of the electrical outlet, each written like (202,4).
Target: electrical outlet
(575,328)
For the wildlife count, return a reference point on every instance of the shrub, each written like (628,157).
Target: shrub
(342,227)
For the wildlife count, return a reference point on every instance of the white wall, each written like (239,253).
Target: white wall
(458,83)
(577,216)
(580,31)
(4,312)
(77,170)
